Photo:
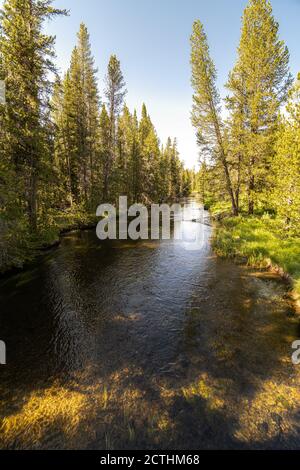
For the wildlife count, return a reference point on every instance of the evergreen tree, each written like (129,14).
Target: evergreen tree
(165,182)
(187,182)
(176,171)
(206,108)
(105,148)
(60,144)
(149,157)
(115,93)
(26,61)
(77,123)
(127,155)
(135,167)
(90,111)
(286,165)
(258,84)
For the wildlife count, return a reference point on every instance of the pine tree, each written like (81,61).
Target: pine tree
(187,182)
(164,184)
(90,110)
(236,139)
(71,130)
(206,108)
(176,171)
(127,147)
(286,165)
(105,149)
(26,55)
(77,123)
(149,157)
(135,167)
(60,149)
(115,93)
(258,84)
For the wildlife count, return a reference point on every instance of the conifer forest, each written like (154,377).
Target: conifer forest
(179,332)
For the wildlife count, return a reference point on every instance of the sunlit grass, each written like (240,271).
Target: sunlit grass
(129,417)
(105,398)
(202,388)
(56,408)
(76,414)
(262,417)
(261,242)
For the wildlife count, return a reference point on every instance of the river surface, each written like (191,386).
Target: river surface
(146,345)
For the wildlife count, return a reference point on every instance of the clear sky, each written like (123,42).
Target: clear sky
(151,38)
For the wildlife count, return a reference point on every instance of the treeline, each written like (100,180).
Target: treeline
(251,157)
(104,150)
(63,148)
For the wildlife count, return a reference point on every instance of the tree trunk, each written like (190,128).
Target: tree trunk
(234,206)
(106,180)
(251,188)
(250,196)
(238,189)
(32,201)
(223,155)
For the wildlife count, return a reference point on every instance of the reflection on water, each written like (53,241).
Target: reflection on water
(144,345)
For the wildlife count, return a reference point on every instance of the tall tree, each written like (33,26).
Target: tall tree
(165,180)
(77,122)
(206,104)
(135,161)
(286,165)
(26,56)
(105,149)
(176,170)
(259,84)
(90,109)
(127,147)
(149,157)
(115,93)
(61,139)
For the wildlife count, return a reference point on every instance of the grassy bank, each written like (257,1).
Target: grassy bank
(261,243)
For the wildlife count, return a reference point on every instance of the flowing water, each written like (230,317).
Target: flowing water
(125,345)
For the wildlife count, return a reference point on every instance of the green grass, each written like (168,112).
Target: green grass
(261,241)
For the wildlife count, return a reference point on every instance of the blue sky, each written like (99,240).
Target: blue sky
(151,38)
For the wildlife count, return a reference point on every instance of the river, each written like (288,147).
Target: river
(146,345)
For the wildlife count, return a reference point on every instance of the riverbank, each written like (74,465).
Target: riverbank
(18,250)
(258,242)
